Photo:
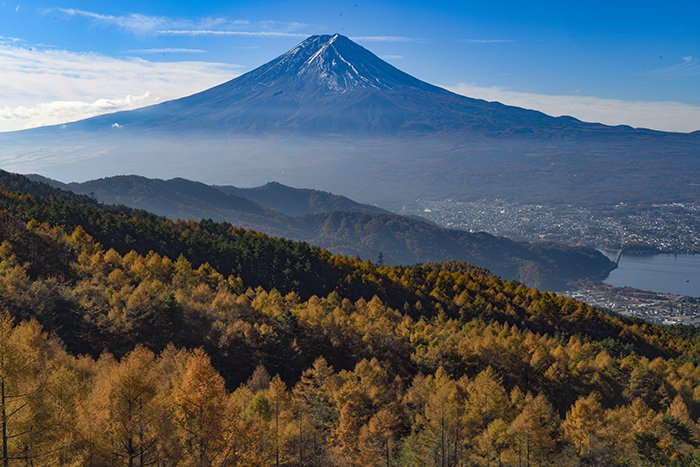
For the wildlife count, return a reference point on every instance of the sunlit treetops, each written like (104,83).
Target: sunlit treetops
(203,344)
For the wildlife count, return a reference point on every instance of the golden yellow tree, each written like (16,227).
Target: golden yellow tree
(440,426)
(315,409)
(124,414)
(280,401)
(492,443)
(583,423)
(23,373)
(377,439)
(199,399)
(534,432)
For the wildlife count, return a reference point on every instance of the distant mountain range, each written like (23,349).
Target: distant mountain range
(345,226)
(299,201)
(272,208)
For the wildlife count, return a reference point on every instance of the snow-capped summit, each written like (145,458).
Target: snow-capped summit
(334,62)
(327,83)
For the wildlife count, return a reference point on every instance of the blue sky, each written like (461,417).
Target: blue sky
(616,61)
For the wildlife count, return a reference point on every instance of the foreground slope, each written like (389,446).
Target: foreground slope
(436,364)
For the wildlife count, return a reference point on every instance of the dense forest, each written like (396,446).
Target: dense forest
(130,339)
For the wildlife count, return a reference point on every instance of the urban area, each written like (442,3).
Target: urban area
(654,307)
(656,228)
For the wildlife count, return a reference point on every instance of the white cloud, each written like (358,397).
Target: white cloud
(48,113)
(40,87)
(281,25)
(688,66)
(134,22)
(490,41)
(139,23)
(385,39)
(9,40)
(392,57)
(227,32)
(166,51)
(658,115)
(221,32)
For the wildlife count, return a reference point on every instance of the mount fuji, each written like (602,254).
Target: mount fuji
(330,84)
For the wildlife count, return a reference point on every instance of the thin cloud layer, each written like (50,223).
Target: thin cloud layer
(55,112)
(688,66)
(166,50)
(42,87)
(386,39)
(133,22)
(490,41)
(221,32)
(141,24)
(658,115)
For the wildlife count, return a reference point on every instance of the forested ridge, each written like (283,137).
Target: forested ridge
(129,339)
(344,227)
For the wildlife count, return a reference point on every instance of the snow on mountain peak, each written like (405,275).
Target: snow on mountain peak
(334,70)
(334,63)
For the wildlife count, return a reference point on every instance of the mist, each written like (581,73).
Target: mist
(391,172)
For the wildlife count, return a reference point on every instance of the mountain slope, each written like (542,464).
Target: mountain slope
(184,199)
(298,201)
(257,259)
(164,336)
(329,84)
(362,230)
(403,240)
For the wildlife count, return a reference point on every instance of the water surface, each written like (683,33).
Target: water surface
(678,274)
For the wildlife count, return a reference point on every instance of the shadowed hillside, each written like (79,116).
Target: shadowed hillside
(361,230)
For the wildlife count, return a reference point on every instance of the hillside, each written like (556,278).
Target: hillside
(404,240)
(361,230)
(254,349)
(299,201)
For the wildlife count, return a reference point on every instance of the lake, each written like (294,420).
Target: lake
(678,274)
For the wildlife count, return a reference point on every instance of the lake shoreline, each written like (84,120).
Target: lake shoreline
(651,306)
(677,274)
